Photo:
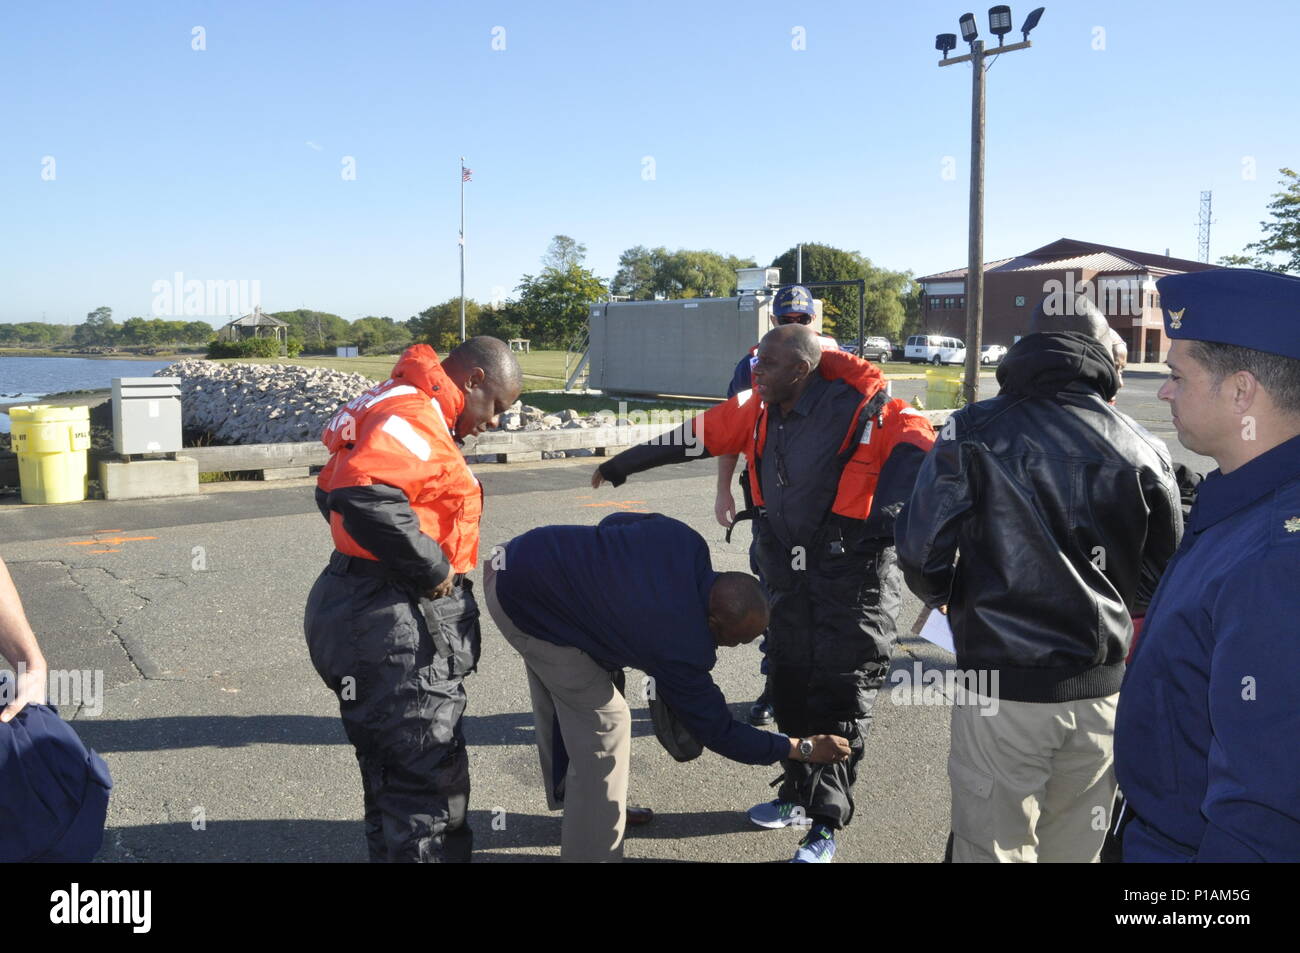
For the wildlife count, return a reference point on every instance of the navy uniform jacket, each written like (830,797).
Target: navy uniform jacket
(53,790)
(633,591)
(1207,736)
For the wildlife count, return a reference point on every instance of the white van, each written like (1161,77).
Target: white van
(934,349)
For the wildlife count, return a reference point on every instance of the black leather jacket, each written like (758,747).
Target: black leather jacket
(1064,512)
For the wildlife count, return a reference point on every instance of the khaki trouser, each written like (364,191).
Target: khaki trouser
(1032,782)
(570,689)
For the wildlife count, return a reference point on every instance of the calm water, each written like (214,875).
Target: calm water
(29,378)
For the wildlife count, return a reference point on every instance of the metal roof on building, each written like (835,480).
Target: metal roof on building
(258,319)
(961,272)
(1097,261)
(1070,253)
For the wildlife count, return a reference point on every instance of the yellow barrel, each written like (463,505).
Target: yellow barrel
(943,387)
(51,444)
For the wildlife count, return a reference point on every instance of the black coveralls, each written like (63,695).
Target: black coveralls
(396,662)
(834,596)
(833,581)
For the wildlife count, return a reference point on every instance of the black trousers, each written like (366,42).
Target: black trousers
(396,663)
(834,612)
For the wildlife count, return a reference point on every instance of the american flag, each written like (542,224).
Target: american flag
(465,174)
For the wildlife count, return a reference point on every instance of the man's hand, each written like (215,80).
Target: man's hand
(597,479)
(30,690)
(442,589)
(724,508)
(826,749)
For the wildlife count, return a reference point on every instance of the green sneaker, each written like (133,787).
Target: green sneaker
(777,814)
(818,847)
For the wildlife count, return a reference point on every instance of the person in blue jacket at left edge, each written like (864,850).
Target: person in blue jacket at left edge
(53,790)
(1207,734)
(581,602)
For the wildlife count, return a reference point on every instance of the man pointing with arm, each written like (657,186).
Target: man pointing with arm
(832,460)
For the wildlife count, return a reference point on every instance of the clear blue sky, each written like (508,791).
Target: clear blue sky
(225,163)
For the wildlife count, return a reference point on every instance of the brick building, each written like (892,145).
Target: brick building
(1119,281)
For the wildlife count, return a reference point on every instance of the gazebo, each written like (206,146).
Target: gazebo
(255,325)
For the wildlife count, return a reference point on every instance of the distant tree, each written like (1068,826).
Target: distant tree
(502,322)
(913,315)
(646,273)
(700,274)
(31,334)
(1281,234)
(886,291)
(318,330)
(98,329)
(552,307)
(439,325)
(637,268)
(380,335)
(135,331)
(563,253)
(198,332)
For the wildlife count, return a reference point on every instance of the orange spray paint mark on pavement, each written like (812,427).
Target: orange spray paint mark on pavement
(111,541)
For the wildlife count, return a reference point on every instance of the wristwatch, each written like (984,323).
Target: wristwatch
(805,749)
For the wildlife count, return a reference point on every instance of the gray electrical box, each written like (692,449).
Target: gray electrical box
(146,414)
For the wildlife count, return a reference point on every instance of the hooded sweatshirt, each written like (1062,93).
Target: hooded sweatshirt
(1045,364)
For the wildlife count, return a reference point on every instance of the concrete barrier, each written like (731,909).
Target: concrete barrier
(148,479)
(288,460)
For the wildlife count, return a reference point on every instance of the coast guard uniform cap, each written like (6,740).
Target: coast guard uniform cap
(1241,306)
(793,299)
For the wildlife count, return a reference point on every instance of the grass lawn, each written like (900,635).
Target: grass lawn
(542,369)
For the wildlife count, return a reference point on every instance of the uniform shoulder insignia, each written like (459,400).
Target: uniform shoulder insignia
(1292,525)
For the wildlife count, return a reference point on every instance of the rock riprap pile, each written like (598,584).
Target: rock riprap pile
(288,403)
(261,403)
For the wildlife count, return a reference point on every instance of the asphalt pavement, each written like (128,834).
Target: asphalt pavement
(225,746)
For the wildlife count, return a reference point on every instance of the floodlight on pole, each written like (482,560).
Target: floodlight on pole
(999,25)
(1031,21)
(968,29)
(1000,21)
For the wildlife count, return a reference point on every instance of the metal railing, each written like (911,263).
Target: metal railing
(577,361)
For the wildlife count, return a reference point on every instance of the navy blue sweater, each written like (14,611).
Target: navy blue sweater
(633,591)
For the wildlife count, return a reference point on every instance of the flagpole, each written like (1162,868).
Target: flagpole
(462,248)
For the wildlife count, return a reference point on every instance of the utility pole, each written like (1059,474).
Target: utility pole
(975,241)
(999,25)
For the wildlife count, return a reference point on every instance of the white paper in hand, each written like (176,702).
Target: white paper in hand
(937,631)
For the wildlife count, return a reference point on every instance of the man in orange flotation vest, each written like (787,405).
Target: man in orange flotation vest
(832,460)
(392,624)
